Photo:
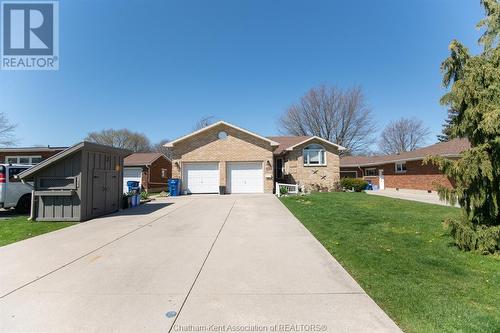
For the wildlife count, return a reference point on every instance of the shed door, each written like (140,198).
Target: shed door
(201,177)
(111,191)
(245,177)
(98,192)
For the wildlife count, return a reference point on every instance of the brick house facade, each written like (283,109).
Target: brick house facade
(294,170)
(232,153)
(156,170)
(405,170)
(238,146)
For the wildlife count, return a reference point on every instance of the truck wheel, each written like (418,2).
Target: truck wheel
(24,204)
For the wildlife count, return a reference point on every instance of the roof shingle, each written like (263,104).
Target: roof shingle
(286,142)
(451,148)
(141,159)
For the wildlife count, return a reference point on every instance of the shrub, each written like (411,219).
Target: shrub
(353,183)
(470,237)
(283,190)
(144,195)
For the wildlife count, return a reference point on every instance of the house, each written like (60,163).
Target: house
(404,170)
(151,170)
(27,155)
(240,161)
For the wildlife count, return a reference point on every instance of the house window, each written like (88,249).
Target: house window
(314,155)
(222,135)
(348,174)
(28,160)
(371,172)
(164,173)
(401,167)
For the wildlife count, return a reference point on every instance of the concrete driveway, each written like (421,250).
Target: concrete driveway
(183,264)
(412,195)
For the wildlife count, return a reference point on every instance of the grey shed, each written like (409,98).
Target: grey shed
(78,184)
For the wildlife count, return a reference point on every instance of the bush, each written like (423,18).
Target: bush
(353,183)
(469,237)
(144,195)
(283,190)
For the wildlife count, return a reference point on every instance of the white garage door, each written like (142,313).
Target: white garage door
(131,174)
(245,177)
(201,177)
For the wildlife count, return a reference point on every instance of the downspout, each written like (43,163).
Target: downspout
(361,170)
(149,177)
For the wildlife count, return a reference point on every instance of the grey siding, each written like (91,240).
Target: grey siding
(99,161)
(80,183)
(61,208)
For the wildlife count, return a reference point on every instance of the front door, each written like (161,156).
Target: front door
(279,169)
(381,181)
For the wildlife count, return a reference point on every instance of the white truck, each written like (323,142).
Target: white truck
(14,193)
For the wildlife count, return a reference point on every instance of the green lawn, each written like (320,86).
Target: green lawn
(400,253)
(19,228)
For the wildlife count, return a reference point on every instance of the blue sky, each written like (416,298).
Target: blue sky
(158,66)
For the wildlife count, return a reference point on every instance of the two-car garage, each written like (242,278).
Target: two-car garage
(241,177)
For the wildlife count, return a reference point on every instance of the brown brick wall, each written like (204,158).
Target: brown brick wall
(155,182)
(44,154)
(237,147)
(325,176)
(417,176)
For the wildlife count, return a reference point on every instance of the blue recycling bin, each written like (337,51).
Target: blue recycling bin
(133,186)
(174,186)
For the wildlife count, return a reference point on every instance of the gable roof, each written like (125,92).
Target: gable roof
(286,142)
(319,139)
(172,143)
(142,159)
(452,148)
(71,150)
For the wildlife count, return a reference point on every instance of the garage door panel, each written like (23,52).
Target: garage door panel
(201,177)
(134,174)
(245,177)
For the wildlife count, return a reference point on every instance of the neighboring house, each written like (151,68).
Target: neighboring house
(404,170)
(245,162)
(151,170)
(27,155)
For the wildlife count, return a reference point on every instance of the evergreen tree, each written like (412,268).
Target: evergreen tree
(474,95)
(446,131)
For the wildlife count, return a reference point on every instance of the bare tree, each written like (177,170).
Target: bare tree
(6,131)
(405,134)
(122,138)
(160,148)
(337,115)
(203,122)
